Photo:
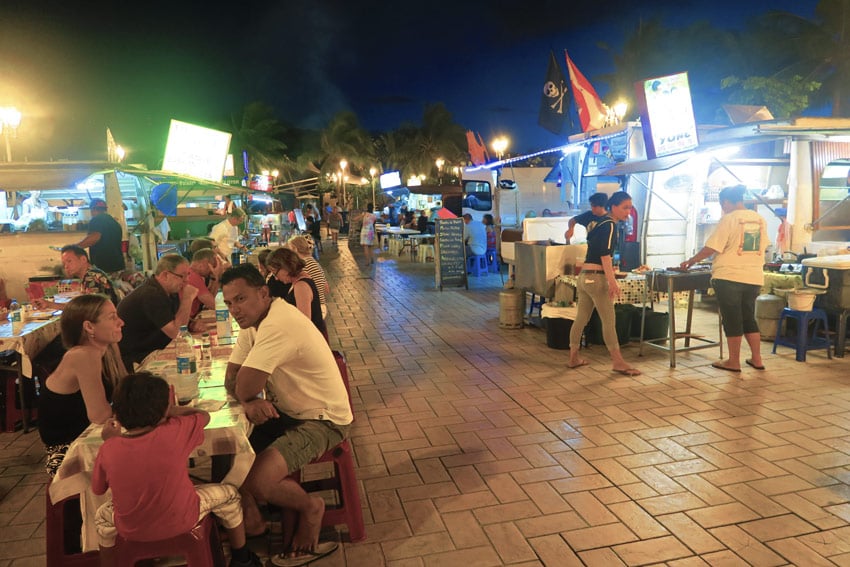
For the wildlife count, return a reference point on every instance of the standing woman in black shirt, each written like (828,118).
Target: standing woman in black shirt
(597,286)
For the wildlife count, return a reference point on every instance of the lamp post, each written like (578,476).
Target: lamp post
(372,172)
(440,163)
(499,146)
(342,165)
(10,119)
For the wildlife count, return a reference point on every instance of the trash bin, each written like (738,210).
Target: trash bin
(558,332)
(622,322)
(655,326)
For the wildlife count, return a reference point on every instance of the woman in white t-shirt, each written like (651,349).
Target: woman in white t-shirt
(738,243)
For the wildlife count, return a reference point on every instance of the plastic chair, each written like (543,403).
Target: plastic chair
(477,265)
(803,343)
(200,546)
(492,261)
(62,541)
(10,367)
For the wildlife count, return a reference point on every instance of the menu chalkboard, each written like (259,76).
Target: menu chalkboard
(450,253)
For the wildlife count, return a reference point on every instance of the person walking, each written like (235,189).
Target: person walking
(597,287)
(737,244)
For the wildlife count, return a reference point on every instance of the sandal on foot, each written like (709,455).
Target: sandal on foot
(305,557)
(577,364)
(720,366)
(756,366)
(627,371)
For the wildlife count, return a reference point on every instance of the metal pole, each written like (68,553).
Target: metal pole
(8,145)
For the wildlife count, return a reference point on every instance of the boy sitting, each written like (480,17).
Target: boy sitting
(152,495)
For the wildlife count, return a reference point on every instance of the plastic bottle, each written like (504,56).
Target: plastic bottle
(188,234)
(222,317)
(16,316)
(185,346)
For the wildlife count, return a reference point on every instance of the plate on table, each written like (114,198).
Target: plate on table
(41,315)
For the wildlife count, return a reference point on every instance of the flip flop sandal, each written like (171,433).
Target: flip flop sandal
(726,368)
(628,371)
(756,366)
(580,364)
(324,549)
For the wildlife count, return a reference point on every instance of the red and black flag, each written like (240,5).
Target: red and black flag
(555,99)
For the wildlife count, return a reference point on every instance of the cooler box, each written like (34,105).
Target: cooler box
(623,314)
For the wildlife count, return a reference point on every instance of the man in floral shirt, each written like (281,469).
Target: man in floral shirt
(76,263)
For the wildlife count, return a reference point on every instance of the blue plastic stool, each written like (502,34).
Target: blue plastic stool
(477,265)
(492,261)
(803,343)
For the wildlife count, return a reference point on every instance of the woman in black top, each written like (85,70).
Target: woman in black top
(597,287)
(79,391)
(288,267)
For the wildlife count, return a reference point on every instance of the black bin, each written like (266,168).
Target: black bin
(622,321)
(655,326)
(558,332)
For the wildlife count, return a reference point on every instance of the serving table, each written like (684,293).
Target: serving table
(672,282)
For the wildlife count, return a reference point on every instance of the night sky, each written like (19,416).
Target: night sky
(76,68)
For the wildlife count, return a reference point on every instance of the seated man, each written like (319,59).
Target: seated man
(75,261)
(474,236)
(305,411)
(204,270)
(154,312)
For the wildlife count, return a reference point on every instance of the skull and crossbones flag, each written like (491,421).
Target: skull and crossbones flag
(555,99)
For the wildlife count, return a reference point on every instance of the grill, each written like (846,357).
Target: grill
(831,273)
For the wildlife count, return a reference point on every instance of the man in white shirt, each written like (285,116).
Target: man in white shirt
(474,236)
(226,233)
(305,411)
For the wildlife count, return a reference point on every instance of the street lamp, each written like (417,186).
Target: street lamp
(499,145)
(440,163)
(120,153)
(342,165)
(10,119)
(372,172)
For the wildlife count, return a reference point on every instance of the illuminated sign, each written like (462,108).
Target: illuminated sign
(390,179)
(196,151)
(667,115)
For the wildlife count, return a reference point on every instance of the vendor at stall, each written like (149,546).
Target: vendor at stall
(104,240)
(737,244)
(226,233)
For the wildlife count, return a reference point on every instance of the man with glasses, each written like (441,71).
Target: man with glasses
(154,312)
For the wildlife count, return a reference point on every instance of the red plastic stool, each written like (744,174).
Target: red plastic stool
(349,511)
(55,536)
(200,546)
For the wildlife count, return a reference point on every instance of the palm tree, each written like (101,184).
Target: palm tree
(816,49)
(257,130)
(342,139)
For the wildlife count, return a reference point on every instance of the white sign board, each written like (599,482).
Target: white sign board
(667,114)
(196,151)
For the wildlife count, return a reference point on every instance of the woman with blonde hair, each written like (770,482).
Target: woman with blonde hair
(303,246)
(288,267)
(79,391)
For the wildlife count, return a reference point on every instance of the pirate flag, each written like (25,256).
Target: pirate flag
(553,106)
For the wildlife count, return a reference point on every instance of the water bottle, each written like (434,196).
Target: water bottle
(185,346)
(222,317)
(188,234)
(16,316)
(616,261)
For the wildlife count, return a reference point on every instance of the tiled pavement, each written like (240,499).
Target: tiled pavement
(475,446)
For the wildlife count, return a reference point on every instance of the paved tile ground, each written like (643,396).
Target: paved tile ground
(476,446)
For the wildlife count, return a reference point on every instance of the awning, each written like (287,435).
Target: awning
(642,166)
(45,176)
